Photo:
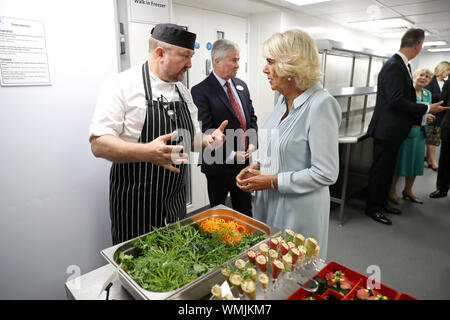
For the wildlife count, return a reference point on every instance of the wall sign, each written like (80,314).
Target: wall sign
(150,11)
(23,53)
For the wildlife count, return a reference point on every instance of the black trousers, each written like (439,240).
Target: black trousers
(381,173)
(443,176)
(218,188)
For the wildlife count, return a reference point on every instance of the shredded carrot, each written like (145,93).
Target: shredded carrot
(230,231)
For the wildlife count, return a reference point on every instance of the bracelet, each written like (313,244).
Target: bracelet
(271,182)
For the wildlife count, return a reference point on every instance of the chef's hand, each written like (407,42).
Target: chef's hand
(165,155)
(217,138)
(430,118)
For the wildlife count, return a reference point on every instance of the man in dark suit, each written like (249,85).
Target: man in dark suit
(443,176)
(396,110)
(222,96)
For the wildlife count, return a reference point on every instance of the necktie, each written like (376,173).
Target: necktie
(238,112)
(409,68)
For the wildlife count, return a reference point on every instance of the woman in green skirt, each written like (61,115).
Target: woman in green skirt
(412,151)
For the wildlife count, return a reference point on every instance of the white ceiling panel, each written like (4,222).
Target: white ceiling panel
(433,17)
(368,14)
(337,6)
(393,3)
(424,7)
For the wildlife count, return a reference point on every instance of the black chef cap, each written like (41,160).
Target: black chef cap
(174,34)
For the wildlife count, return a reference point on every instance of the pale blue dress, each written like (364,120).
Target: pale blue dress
(302,150)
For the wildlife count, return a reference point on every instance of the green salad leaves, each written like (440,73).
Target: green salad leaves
(171,257)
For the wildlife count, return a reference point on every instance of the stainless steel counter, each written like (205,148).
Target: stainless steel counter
(352,130)
(88,286)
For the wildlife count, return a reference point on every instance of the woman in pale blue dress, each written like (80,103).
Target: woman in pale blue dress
(298,144)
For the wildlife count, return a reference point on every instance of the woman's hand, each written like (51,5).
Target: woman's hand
(430,118)
(251,179)
(246,173)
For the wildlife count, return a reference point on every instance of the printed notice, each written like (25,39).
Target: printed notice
(150,11)
(23,53)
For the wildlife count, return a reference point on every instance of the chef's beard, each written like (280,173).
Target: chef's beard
(177,76)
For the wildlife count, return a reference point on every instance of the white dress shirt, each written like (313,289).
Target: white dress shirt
(405,61)
(121,108)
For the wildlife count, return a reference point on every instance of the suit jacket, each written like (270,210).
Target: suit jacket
(435,90)
(445,124)
(214,107)
(396,109)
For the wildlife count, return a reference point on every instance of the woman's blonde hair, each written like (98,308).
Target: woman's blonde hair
(441,68)
(423,70)
(295,55)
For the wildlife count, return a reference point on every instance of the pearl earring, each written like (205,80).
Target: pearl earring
(289,78)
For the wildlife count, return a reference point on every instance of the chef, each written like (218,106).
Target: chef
(145,123)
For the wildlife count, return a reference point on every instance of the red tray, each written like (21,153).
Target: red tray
(357,280)
(390,293)
(404,296)
(302,294)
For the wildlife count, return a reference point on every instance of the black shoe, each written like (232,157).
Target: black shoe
(388,209)
(438,194)
(380,217)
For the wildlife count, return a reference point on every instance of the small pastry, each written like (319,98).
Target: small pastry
(299,239)
(251,254)
(261,261)
(264,248)
(273,254)
(249,288)
(277,267)
(263,280)
(310,245)
(240,264)
(216,291)
(273,243)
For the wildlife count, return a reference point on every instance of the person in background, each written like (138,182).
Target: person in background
(410,156)
(298,144)
(139,114)
(443,173)
(222,96)
(396,110)
(441,72)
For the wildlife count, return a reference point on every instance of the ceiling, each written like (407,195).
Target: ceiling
(431,15)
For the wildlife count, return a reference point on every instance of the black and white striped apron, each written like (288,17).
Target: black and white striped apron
(143,195)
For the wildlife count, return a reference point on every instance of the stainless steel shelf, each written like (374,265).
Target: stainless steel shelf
(342,49)
(352,91)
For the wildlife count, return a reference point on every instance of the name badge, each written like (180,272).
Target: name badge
(239,87)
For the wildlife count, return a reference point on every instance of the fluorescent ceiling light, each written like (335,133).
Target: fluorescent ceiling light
(381,24)
(305,2)
(434,43)
(438,49)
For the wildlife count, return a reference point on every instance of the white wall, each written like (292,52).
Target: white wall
(263,25)
(53,192)
(429,60)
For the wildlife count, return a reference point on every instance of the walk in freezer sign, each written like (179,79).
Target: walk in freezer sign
(23,53)
(150,11)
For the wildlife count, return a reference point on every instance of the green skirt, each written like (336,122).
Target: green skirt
(411,154)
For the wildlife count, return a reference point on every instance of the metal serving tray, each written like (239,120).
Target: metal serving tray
(200,287)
